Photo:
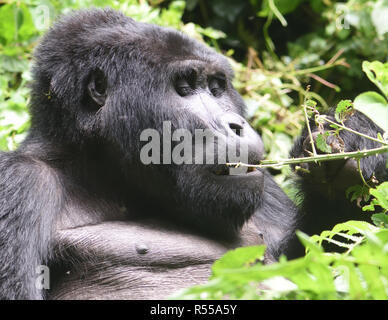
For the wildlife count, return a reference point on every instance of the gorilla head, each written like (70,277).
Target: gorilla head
(102,79)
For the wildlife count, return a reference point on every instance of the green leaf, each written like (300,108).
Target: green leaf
(356,289)
(16,23)
(13,64)
(374,106)
(308,243)
(346,230)
(353,227)
(380,219)
(370,206)
(237,258)
(321,144)
(311,103)
(379,17)
(210,32)
(358,192)
(27,26)
(344,108)
(377,72)
(381,194)
(8,23)
(279,144)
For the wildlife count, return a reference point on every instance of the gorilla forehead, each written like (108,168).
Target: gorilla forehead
(88,33)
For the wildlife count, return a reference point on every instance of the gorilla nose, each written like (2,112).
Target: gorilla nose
(239,130)
(236,128)
(234,124)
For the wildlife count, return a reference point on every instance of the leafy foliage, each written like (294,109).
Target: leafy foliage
(361,272)
(372,103)
(321,142)
(344,108)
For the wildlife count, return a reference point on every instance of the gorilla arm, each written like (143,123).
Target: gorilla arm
(148,259)
(31,198)
(276,219)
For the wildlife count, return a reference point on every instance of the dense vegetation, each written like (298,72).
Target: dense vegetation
(289,57)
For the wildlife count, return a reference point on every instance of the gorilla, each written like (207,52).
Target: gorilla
(77,196)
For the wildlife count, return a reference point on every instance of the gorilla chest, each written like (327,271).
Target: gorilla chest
(133,260)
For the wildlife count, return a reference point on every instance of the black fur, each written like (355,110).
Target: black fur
(324,189)
(100,78)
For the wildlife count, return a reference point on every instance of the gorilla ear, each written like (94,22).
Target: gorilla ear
(97,87)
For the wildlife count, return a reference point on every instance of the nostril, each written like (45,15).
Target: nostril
(237,129)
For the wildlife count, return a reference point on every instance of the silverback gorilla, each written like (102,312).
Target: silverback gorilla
(76,190)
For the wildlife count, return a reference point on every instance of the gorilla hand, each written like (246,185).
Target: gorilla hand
(334,177)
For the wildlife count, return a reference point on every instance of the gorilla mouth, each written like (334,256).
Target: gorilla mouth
(225,170)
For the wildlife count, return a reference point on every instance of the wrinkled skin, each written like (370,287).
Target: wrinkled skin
(76,195)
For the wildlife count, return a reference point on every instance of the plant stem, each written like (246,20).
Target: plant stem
(356,132)
(313,69)
(317,158)
(268,42)
(277,13)
(361,175)
(309,130)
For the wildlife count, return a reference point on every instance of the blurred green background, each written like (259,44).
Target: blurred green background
(277,48)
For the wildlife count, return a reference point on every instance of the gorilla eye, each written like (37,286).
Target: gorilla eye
(217,85)
(183,87)
(97,87)
(186,82)
(100,85)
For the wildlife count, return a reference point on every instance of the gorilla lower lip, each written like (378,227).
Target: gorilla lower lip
(222,171)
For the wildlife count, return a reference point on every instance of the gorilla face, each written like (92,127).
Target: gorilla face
(123,78)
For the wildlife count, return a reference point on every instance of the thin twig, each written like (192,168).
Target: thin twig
(309,129)
(355,132)
(361,175)
(277,13)
(317,158)
(335,57)
(323,81)
(314,69)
